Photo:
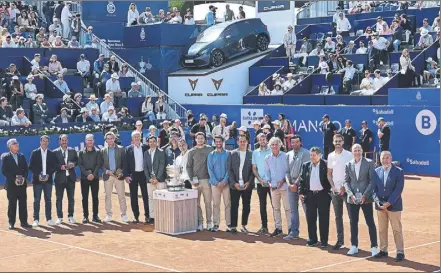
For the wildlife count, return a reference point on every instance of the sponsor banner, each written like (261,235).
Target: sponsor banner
(267,6)
(111,32)
(248,116)
(414,96)
(227,86)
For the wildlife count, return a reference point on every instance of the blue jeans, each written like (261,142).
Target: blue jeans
(397,44)
(47,189)
(150,115)
(294,206)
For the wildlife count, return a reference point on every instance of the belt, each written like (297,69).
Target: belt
(316,192)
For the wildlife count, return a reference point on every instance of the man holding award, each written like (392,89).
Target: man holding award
(359,175)
(65,178)
(89,161)
(15,170)
(154,169)
(42,165)
(112,160)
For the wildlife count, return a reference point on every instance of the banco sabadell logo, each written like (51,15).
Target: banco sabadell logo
(426,122)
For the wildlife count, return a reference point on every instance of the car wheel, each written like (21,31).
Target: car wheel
(262,42)
(217,58)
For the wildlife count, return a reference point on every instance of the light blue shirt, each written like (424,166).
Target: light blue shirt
(62,86)
(386,174)
(17,121)
(112,164)
(276,169)
(210,18)
(95,117)
(217,164)
(258,159)
(134,94)
(105,106)
(349,72)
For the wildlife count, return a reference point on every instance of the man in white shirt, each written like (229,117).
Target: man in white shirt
(329,45)
(343,25)
(380,24)
(112,85)
(110,115)
(221,130)
(362,49)
(65,20)
(8,43)
(336,176)
(349,71)
(19,119)
(106,103)
(379,48)
(289,41)
(379,81)
(83,68)
(55,27)
(288,84)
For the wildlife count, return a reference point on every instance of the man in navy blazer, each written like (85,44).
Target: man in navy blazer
(15,170)
(42,164)
(387,188)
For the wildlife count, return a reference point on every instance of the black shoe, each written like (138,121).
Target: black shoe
(244,229)
(151,221)
(289,231)
(233,231)
(25,225)
(337,246)
(215,228)
(136,221)
(312,244)
(276,232)
(96,219)
(381,254)
(85,220)
(400,257)
(263,230)
(11,227)
(324,245)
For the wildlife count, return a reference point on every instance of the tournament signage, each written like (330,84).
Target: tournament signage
(266,6)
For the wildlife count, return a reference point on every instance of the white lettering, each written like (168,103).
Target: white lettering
(418,162)
(383,111)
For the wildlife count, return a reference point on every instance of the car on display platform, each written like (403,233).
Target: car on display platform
(225,41)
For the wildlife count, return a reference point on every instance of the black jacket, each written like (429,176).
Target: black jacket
(80,119)
(10,169)
(6,114)
(35,165)
(60,175)
(129,161)
(305,176)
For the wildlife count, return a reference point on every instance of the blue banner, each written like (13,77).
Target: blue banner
(414,96)
(266,6)
(111,32)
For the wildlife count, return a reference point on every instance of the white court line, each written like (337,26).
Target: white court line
(93,251)
(365,258)
(33,253)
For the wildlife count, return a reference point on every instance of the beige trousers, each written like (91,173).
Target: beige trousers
(394,217)
(204,189)
(120,190)
(278,197)
(217,194)
(150,189)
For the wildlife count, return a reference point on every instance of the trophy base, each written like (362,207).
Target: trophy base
(175,186)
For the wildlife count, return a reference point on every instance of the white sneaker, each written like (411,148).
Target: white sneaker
(200,227)
(374,251)
(108,219)
(209,227)
(125,219)
(35,224)
(72,220)
(353,250)
(50,222)
(59,221)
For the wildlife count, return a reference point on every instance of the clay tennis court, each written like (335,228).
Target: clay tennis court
(129,247)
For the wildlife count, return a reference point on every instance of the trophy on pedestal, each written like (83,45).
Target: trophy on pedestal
(174,181)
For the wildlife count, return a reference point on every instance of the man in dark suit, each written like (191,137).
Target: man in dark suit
(384,136)
(134,175)
(365,135)
(349,135)
(63,117)
(83,116)
(65,178)
(39,110)
(387,188)
(359,174)
(154,169)
(89,161)
(314,192)
(328,129)
(15,170)
(112,158)
(42,165)
(241,184)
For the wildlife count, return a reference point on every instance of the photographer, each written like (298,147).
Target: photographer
(188,18)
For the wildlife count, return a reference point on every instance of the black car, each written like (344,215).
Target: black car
(226,41)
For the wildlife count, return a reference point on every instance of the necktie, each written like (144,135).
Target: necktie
(222,131)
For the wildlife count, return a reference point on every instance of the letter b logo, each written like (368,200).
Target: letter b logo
(426,122)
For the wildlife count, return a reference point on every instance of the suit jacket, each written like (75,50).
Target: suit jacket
(60,175)
(306,175)
(80,119)
(7,113)
(119,160)
(10,169)
(392,191)
(58,119)
(157,166)
(35,165)
(364,182)
(364,139)
(233,169)
(39,113)
(129,162)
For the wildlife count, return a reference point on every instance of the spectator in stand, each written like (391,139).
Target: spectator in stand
(426,39)
(146,17)
(105,76)
(407,26)
(58,9)
(110,115)
(408,73)
(329,45)
(39,110)
(55,67)
(48,11)
(125,116)
(78,98)
(362,49)
(317,51)
(132,15)
(436,23)
(343,25)
(125,72)
(21,42)
(202,127)
(6,112)
(379,80)
(113,64)
(17,93)
(289,83)
(30,88)
(431,70)
(17,32)
(58,43)
(385,30)
(30,43)
(210,19)
(83,116)
(147,109)
(277,91)
(379,52)
(40,36)
(23,21)
(289,41)
(263,90)
(73,43)
(134,92)
(332,63)
(63,117)
(177,19)
(76,26)
(45,43)
(341,62)
(188,18)
(106,103)
(61,84)
(19,119)
(8,42)
(92,104)
(241,13)
(65,20)
(94,114)
(52,37)
(397,32)
(366,86)
(368,32)
(348,78)
(56,27)
(161,108)
(88,37)
(323,66)
(83,70)
(113,87)
(426,25)
(13,12)
(164,134)
(380,24)
(191,121)
(98,66)
(305,49)
(350,49)
(161,16)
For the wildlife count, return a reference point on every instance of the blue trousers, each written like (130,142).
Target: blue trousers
(294,206)
(45,188)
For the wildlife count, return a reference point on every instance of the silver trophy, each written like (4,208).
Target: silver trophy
(19,180)
(142,65)
(358,197)
(174,181)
